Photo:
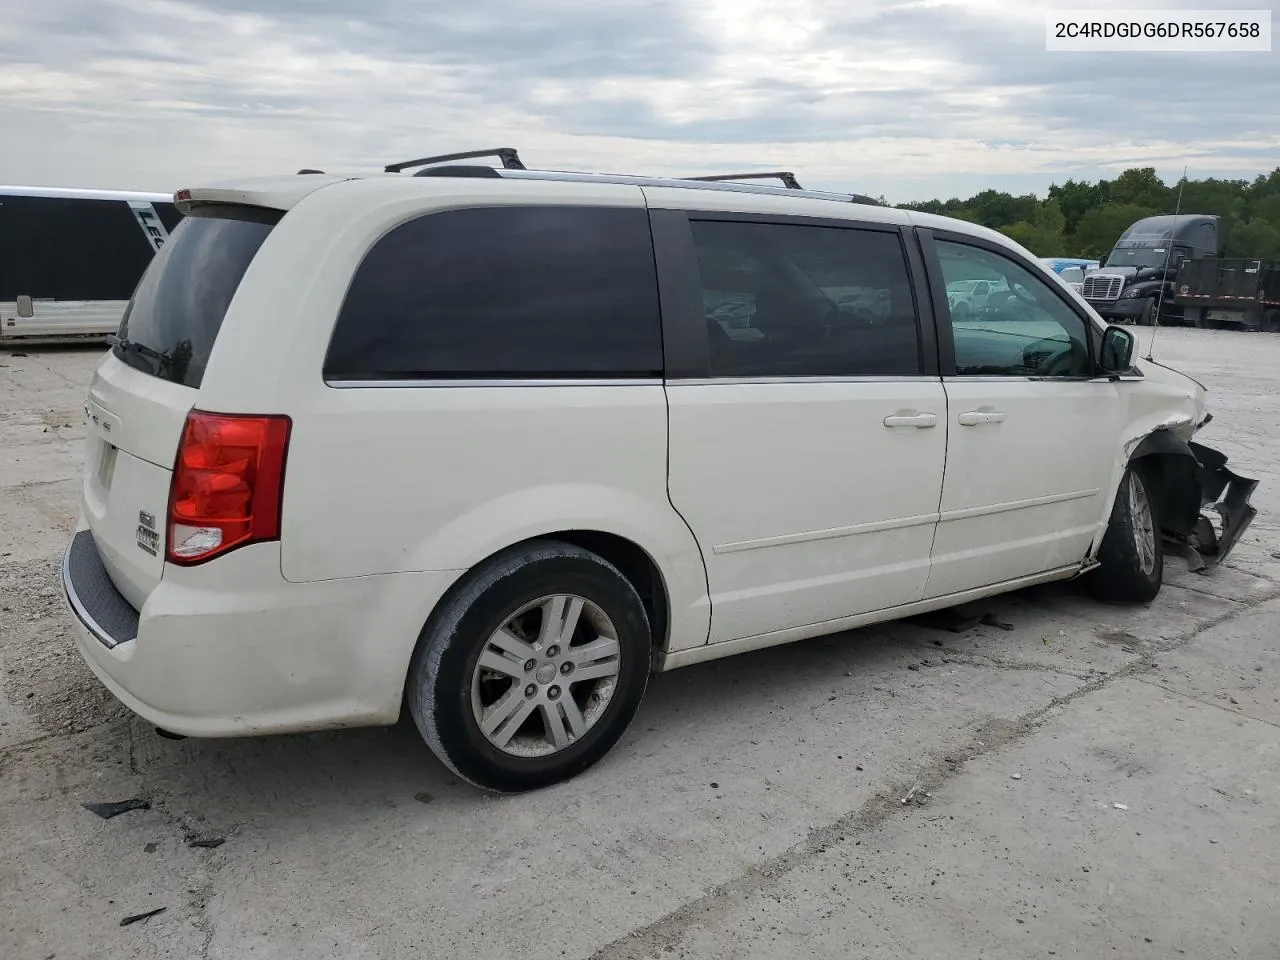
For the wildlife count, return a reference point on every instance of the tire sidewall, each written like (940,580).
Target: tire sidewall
(443,687)
(1121,577)
(1156,577)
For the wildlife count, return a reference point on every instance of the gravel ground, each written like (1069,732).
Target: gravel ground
(1090,781)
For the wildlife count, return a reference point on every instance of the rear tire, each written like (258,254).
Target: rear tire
(1132,552)
(565,642)
(1271,321)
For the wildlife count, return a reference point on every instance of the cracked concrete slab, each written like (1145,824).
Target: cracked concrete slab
(1090,835)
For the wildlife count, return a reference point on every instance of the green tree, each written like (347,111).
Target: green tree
(1084,219)
(1266,185)
(1077,197)
(1044,235)
(1224,198)
(995,208)
(1268,209)
(1258,239)
(1141,186)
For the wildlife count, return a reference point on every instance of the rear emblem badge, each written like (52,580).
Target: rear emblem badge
(148,537)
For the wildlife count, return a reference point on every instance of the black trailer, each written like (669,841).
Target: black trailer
(1218,292)
(70,258)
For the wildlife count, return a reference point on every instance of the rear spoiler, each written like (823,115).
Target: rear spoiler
(276,193)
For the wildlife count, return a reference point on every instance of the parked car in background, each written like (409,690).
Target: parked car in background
(70,259)
(489,446)
(971,297)
(1071,270)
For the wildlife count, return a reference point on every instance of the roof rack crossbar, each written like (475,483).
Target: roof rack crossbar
(786,176)
(508,155)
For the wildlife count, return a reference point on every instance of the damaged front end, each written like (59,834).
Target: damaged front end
(1213,509)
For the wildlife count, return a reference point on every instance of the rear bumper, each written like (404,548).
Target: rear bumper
(94,600)
(232,649)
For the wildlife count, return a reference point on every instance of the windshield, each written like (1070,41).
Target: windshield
(1139,257)
(175,314)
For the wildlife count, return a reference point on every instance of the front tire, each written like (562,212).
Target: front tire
(1132,552)
(1148,316)
(532,669)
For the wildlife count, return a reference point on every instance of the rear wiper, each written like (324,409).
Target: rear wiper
(126,344)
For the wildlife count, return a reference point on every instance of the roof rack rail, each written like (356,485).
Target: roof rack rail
(786,176)
(459,170)
(508,155)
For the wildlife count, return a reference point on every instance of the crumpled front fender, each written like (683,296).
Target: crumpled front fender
(1225,511)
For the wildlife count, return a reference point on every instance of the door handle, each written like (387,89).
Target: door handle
(975,417)
(920,421)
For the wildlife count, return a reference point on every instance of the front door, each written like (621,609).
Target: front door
(1031,436)
(808,463)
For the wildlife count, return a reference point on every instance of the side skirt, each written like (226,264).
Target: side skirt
(727,648)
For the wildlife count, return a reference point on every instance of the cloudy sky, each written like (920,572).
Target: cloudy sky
(907,98)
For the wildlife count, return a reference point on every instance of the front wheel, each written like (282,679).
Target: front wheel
(1132,552)
(533,669)
(1148,316)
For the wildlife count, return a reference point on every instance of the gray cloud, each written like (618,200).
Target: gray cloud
(906,98)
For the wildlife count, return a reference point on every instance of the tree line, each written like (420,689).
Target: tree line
(1083,219)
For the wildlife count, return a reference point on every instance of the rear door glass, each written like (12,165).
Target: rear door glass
(173,320)
(796,300)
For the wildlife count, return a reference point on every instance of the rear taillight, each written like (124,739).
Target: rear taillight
(227,484)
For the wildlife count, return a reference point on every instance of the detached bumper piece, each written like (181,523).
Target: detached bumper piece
(1225,511)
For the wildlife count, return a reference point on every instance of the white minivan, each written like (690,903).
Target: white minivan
(495,444)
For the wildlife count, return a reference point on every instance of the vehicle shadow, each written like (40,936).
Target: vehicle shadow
(695,718)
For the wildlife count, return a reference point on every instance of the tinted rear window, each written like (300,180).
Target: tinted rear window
(174,317)
(504,292)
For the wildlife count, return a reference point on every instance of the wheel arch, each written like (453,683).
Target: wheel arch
(1172,473)
(632,560)
(641,570)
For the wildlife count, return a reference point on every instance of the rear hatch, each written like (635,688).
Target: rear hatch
(143,390)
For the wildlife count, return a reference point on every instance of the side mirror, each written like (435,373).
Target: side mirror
(25,306)
(1117,351)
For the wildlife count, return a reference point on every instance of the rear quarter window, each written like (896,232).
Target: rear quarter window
(504,292)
